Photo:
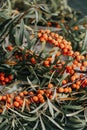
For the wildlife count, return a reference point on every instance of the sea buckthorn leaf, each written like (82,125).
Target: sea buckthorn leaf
(27,118)
(85,42)
(42,124)
(72,107)
(38,108)
(75,113)
(50,108)
(54,122)
(21,35)
(36,125)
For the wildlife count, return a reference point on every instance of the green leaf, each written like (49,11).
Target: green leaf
(85,114)
(21,35)
(42,124)
(50,107)
(85,42)
(74,113)
(54,122)
(38,108)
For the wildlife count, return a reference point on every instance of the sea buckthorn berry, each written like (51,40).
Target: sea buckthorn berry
(20,102)
(25,92)
(41,92)
(33,61)
(0,97)
(82,68)
(64,82)
(17,98)
(46,63)
(78,82)
(85,63)
(10,77)
(3,83)
(35,99)
(42,101)
(61,90)
(39,34)
(16,104)
(69,89)
(66,90)
(2,78)
(1,110)
(50,85)
(9,48)
(6,79)
(77,86)
(9,100)
(31,93)
(73,78)
(4,98)
(21,94)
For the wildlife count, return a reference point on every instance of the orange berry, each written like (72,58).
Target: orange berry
(31,93)
(33,61)
(77,87)
(85,63)
(10,77)
(82,68)
(39,34)
(41,92)
(9,100)
(25,92)
(20,102)
(0,97)
(4,98)
(73,78)
(50,85)
(1,110)
(3,83)
(46,63)
(21,94)
(16,104)
(61,90)
(6,79)
(9,48)
(78,82)
(66,90)
(69,89)
(40,96)
(64,82)
(42,101)
(74,86)
(76,28)
(35,98)
(2,78)
(42,39)
(17,98)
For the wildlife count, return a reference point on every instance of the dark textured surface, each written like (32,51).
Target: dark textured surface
(79,5)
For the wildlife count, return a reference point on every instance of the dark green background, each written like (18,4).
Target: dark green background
(79,5)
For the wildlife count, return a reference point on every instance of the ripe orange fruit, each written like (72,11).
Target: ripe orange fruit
(35,98)
(4,98)
(16,104)
(61,90)
(21,94)
(17,98)
(0,97)
(50,85)
(6,79)
(9,48)
(33,61)
(41,92)
(10,77)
